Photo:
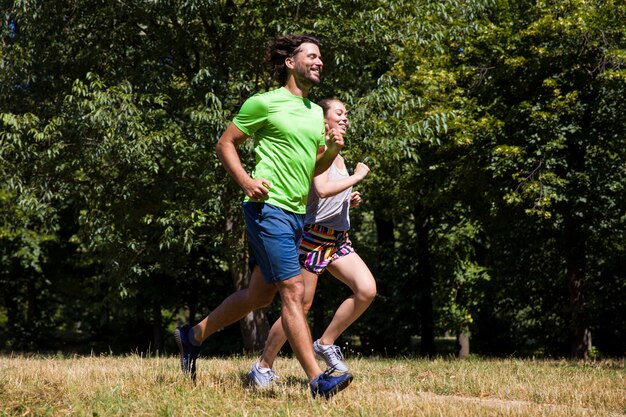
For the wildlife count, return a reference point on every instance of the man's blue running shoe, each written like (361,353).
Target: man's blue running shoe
(188,351)
(328,385)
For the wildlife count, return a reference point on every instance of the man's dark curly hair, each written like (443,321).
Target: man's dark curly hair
(284,47)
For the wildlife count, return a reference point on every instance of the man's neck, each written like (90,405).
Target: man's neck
(295,88)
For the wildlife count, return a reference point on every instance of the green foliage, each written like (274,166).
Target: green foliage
(553,148)
(494,130)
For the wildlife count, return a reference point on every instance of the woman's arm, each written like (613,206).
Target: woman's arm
(325,188)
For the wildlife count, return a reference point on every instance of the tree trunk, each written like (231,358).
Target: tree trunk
(575,252)
(157,332)
(384,229)
(575,270)
(12,308)
(382,267)
(425,282)
(462,334)
(462,345)
(192,302)
(254,326)
(32,307)
(386,241)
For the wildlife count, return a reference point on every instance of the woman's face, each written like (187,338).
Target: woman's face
(337,117)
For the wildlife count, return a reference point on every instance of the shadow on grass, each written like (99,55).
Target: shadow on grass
(273,391)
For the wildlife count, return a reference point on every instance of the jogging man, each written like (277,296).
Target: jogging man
(289,144)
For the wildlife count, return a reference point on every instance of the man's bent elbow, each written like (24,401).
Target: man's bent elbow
(219,147)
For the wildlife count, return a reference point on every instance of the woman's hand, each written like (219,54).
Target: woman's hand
(361,170)
(355,199)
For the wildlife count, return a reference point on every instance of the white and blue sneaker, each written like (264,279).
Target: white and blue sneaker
(261,377)
(332,355)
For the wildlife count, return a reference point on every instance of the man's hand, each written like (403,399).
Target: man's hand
(257,189)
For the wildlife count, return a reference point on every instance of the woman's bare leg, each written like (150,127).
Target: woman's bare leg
(352,271)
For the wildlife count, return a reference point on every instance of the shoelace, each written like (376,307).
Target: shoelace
(272,376)
(335,352)
(269,375)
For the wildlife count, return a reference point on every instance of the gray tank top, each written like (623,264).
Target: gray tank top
(332,211)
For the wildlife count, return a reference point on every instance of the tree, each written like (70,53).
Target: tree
(554,150)
(130,99)
(493,130)
(414,127)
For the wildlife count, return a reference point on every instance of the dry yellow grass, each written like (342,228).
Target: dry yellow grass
(136,386)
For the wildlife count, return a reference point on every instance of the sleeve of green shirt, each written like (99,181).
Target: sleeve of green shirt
(252,115)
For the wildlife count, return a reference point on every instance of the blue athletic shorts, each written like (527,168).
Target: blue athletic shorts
(274,236)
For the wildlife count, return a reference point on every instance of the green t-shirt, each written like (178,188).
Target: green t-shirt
(287,131)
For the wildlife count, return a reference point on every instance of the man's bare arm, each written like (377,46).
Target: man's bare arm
(226,149)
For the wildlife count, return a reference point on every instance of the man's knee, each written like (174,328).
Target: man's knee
(292,290)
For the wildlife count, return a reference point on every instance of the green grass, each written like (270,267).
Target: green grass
(136,386)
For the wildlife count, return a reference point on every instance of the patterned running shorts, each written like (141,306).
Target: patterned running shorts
(322,245)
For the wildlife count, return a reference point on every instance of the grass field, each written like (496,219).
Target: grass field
(136,386)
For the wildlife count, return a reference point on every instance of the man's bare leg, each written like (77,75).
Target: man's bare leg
(295,325)
(277,336)
(258,294)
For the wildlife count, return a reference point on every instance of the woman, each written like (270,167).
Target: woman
(325,245)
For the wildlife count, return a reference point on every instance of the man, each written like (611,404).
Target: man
(289,143)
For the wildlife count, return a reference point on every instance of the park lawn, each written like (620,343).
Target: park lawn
(137,386)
